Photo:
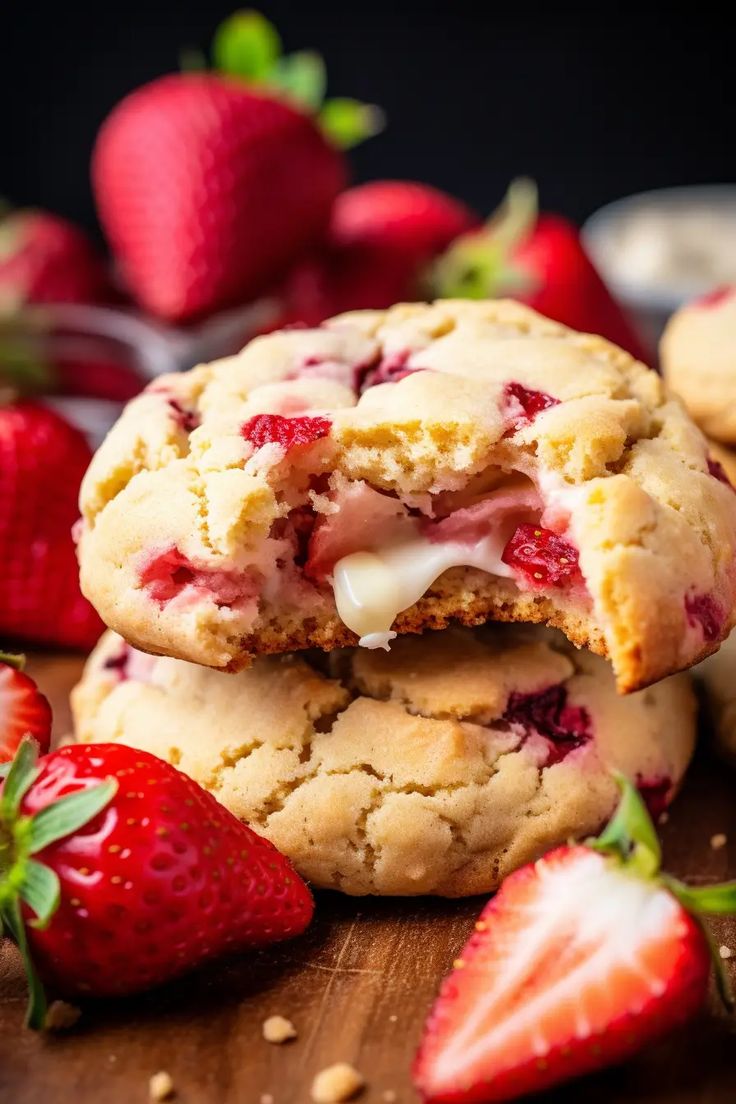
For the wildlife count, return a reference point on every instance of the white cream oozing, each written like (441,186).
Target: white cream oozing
(372,588)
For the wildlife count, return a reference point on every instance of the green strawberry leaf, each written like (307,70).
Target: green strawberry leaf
(41,890)
(13,659)
(68,814)
(36,1011)
(302,78)
(717,900)
(19,779)
(348,122)
(246,45)
(630,833)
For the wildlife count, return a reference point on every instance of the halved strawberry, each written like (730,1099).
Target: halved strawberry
(23,708)
(580,959)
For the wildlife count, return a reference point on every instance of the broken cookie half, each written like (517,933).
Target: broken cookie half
(394,471)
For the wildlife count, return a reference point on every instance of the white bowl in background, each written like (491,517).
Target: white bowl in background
(657,250)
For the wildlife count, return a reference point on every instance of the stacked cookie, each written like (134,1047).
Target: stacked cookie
(277,526)
(698,355)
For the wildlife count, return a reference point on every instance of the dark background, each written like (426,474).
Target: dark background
(593,101)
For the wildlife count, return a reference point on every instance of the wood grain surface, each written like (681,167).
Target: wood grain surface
(357,987)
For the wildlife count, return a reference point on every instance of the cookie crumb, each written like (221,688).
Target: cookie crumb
(664,817)
(336,1083)
(161,1086)
(719,840)
(389,1096)
(266,1098)
(277,1029)
(61,1016)
(725,952)
(393,1018)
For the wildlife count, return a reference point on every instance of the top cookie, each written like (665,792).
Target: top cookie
(698,354)
(391,471)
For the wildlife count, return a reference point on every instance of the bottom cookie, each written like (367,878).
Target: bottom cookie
(436,768)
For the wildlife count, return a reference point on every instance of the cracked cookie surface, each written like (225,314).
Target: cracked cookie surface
(393,471)
(698,355)
(437,769)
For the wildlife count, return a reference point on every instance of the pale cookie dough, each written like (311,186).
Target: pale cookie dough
(436,769)
(510,469)
(698,355)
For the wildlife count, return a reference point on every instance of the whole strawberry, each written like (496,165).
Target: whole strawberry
(210,184)
(581,959)
(117,873)
(46,259)
(42,461)
(381,237)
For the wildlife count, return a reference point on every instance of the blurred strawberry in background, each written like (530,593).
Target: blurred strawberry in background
(399,240)
(46,259)
(211,184)
(42,461)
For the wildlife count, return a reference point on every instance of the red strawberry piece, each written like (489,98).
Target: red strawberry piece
(138,875)
(548,714)
(716,469)
(249,183)
(166,574)
(268,429)
(24,711)
(581,959)
(188,420)
(521,404)
(705,613)
(392,368)
(45,259)
(542,558)
(42,461)
(714,298)
(656,794)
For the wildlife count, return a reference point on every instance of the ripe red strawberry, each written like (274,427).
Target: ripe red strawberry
(42,461)
(566,286)
(208,191)
(24,711)
(380,238)
(45,259)
(581,959)
(135,873)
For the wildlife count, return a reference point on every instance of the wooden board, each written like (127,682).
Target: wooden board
(357,987)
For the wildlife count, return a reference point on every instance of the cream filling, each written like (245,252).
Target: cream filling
(372,588)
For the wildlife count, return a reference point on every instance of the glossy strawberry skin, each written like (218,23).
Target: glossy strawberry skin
(45,259)
(380,237)
(567,287)
(42,461)
(208,191)
(24,710)
(640,1006)
(162,880)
